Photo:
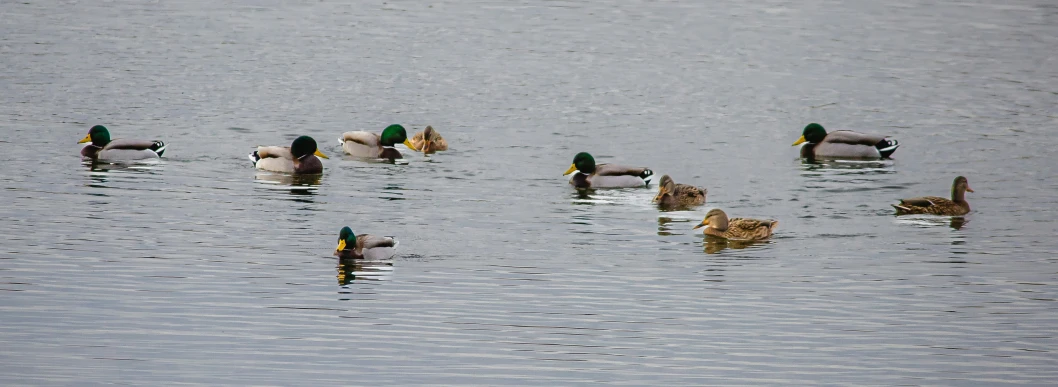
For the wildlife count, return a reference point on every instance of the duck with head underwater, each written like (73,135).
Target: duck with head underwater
(429,141)
(298,158)
(718,225)
(365,246)
(936,205)
(102,148)
(376,146)
(843,144)
(591,175)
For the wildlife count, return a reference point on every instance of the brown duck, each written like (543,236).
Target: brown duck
(738,229)
(936,205)
(429,141)
(671,195)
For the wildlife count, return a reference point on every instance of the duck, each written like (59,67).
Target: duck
(590,175)
(365,246)
(936,205)
(844,144)
(672,195)
(371,145)
(429,141)
(717,224)
(299,158)
(102,148)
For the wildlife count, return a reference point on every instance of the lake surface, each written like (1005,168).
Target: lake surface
(199,269)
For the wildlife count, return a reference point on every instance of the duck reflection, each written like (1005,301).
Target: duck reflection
(663,226)
(350,270)
(860,167)
(714,245)
(955,222)
(302,187)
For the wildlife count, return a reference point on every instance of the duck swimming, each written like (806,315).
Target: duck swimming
(298,158)
(428,141)
(843,144)
(376,146)
(102,148)
(717,224)
(590,175)
(672,195)
(365,246)
(936,205)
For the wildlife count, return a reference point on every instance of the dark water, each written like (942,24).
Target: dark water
(198,269)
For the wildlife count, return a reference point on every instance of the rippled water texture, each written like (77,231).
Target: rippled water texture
(199,269)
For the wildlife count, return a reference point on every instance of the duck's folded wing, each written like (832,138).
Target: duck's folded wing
(853,138)
(688,190)
(924,201)
(621,170)
(275,151)
(371,241)
(130,144)
(750,224)
(362,137)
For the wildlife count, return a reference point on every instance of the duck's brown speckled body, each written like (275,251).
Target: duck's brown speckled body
(672,195)
(717,224)
(936,205)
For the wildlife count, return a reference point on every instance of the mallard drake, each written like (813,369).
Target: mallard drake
(717,224)
(843,144)
(590,175)
(102,148)
(298,158)
(364,246)
(671,195)
(428,141)
(371,145)
(936,205)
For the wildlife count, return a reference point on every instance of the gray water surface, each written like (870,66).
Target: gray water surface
(200,269)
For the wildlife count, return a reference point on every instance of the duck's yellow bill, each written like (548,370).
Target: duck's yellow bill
(661,192)
(702,224)
(341,245)
(318,153)
(87,138)
(799,141)
(968,189)
(408,144)
(572,168)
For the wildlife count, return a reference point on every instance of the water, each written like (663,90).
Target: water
(199,269)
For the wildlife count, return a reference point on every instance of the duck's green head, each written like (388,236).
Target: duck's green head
(304,146)
(98,135)
(582,162)
(346,238)
(813,133)
(395,134)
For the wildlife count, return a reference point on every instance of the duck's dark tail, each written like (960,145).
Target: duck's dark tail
(886,147)
(158,147)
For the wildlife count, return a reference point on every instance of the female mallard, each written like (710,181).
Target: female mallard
(671,195)
(937,205)
(371,145)
(843,144)
(364,246)
(590,175)
(738,229)
(298,158)
(428,141)
(103,148)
